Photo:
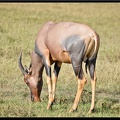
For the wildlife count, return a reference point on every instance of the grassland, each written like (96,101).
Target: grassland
(19,25)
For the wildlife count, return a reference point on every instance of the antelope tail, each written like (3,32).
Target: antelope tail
(94,55)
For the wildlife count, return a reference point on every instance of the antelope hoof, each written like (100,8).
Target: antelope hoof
(72,110)
(49,105)
(91,111)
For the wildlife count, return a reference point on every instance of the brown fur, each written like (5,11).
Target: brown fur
(50,50)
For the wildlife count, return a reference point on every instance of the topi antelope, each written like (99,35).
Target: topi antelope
(63,42)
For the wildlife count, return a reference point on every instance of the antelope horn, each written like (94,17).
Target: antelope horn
(20,65)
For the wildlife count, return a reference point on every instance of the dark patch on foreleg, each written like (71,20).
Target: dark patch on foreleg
(40,54)
(56,69)
(37,51)
(48,70)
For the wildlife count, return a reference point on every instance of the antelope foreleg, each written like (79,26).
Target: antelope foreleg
(49,82)
(55,73)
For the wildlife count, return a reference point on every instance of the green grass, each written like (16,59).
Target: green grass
(19,26)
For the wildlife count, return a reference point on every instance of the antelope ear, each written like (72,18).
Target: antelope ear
(26,69)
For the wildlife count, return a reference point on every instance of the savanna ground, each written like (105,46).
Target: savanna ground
(19,25)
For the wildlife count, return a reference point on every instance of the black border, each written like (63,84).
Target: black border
(59,1)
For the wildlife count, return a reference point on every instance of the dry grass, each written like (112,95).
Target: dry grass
(19,25)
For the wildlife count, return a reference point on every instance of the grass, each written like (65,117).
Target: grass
(19,25)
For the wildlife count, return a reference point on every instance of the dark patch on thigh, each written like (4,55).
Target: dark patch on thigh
(75,47)
(91,65)
(78,71)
